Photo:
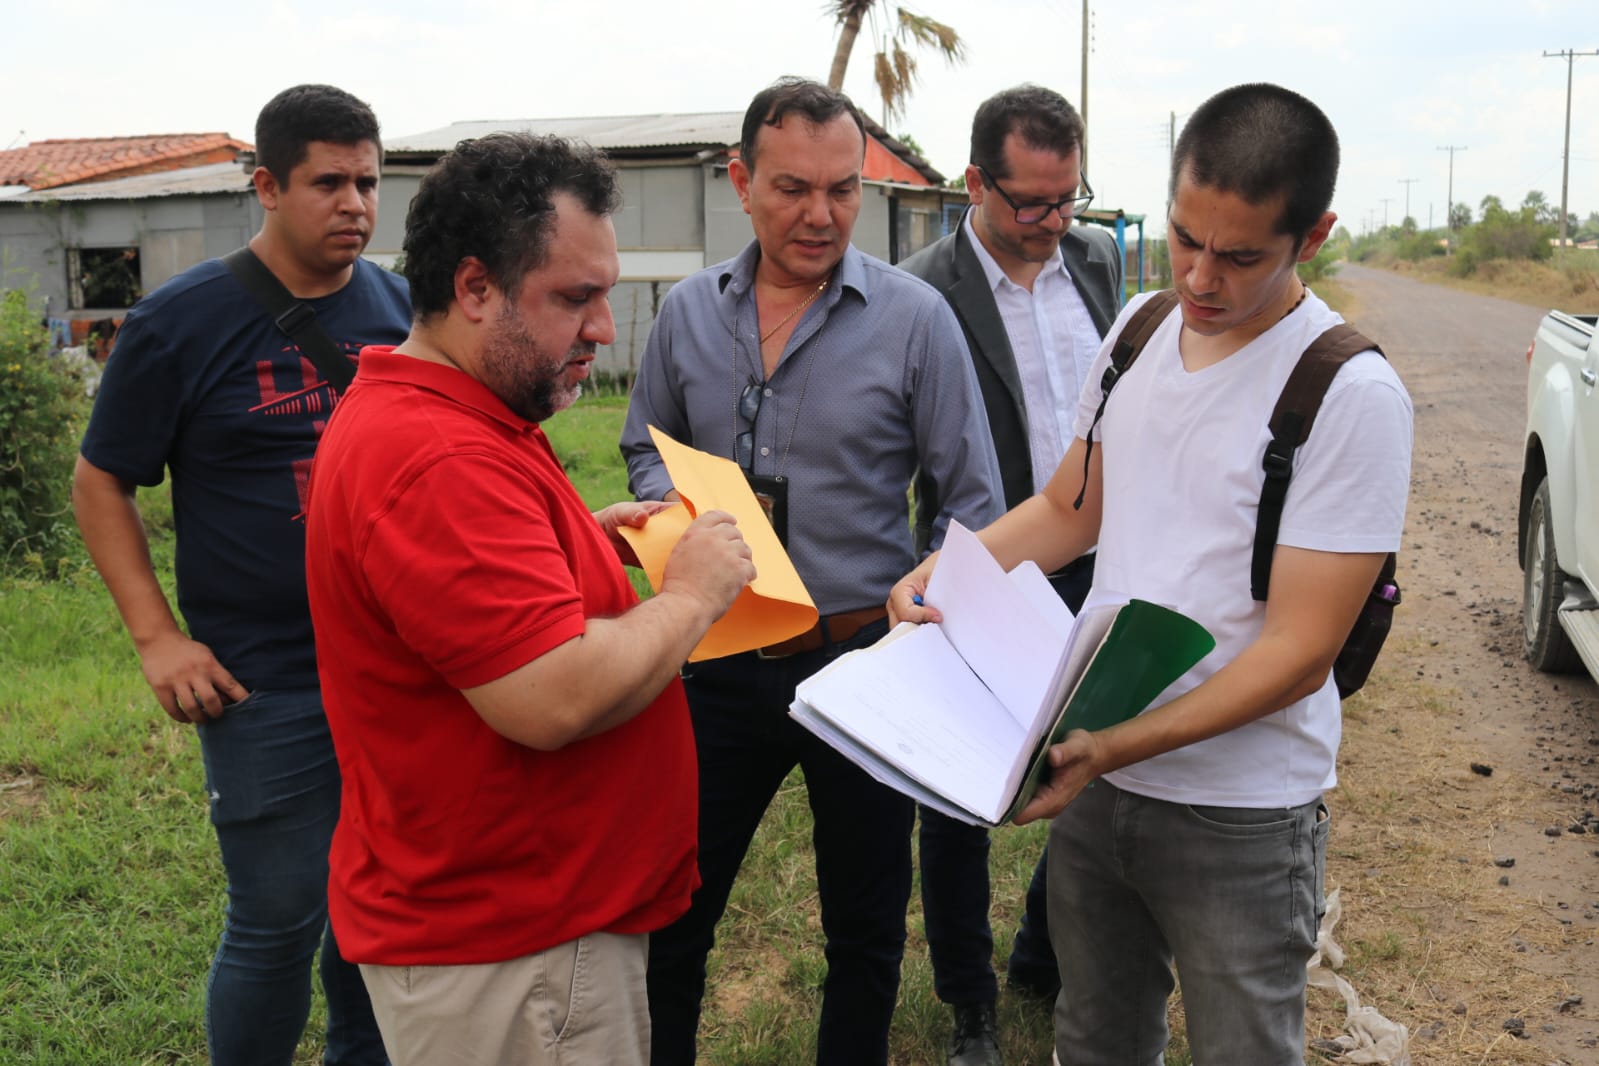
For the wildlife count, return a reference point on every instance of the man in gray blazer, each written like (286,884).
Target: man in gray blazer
(1034,295)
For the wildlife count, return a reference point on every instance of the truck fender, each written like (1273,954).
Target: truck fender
(1551,414)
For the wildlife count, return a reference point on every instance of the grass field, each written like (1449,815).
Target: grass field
(111,889)
(1569,281)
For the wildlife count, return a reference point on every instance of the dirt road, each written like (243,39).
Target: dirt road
(1461,357)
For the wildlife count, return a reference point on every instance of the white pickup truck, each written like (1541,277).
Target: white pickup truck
(1559,525)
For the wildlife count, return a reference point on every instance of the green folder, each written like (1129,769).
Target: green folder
(1146,648)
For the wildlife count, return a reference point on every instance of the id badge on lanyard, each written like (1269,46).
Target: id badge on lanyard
(771,492)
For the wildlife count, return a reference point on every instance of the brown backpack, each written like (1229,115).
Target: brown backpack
(1291,422)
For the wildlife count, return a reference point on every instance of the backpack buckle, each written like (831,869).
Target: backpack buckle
(1278,462)
(295,317)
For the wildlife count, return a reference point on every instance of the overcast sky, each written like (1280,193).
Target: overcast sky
(1398,79)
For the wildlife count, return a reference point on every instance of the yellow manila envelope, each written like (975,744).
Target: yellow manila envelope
(773,607)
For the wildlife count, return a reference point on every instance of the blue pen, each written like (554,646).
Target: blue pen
(916,598)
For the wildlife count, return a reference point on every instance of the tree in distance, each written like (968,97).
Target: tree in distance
(894,68)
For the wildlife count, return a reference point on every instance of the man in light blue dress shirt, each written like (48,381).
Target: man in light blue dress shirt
(832,378)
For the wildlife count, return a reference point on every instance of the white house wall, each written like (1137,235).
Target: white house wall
(171,233)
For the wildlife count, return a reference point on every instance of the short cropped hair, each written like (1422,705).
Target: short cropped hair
(1261,142)
(811,99)
(295,117)
(492,199)
(1040,117)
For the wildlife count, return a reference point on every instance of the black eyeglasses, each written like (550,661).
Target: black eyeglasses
(749,406)
(1032,214)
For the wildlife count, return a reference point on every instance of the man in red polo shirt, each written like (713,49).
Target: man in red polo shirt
(519,797)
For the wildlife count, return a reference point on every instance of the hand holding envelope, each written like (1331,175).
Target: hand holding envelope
(773,607)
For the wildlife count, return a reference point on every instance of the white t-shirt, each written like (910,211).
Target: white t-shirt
(1182,477)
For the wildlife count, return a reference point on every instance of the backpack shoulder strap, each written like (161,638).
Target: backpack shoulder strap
(292,316)
(1140,327)
(1129,342)
(1291,421)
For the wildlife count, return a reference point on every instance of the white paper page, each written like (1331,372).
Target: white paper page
(1041,594)
(1092,626)
(915,701)
(873,764)
(993,624)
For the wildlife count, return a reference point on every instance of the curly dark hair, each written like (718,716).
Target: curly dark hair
(492,199)
(1259,142)
(815,101)
(295,117)
(1040,117)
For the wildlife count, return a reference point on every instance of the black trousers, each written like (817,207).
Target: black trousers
(747,745)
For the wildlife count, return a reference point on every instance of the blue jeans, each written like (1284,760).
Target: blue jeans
(747,745)
(1232,895)
(273,782)
(955,889)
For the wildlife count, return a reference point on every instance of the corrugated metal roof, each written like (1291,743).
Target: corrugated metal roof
(706,128)
(614,133)
(191,181)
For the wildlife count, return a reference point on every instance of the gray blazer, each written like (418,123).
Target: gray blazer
(951,266)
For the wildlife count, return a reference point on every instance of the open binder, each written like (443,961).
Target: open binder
(960,714)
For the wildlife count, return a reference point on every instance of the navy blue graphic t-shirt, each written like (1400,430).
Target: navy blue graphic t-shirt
(202,383)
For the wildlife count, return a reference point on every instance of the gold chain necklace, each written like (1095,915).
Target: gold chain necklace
(803,304)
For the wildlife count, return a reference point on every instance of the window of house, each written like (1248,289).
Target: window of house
(916,225)
(103,278)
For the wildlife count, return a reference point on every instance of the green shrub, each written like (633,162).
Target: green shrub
(42,409)
(1423,244)
(1323,265)
(1503,234)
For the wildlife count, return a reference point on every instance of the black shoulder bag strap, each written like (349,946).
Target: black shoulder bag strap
(292,316)
(1291,421)
(1129,342)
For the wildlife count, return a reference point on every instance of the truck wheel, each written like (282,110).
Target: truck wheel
(1543,587)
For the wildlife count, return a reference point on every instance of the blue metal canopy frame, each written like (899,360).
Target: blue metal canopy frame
(1118,220)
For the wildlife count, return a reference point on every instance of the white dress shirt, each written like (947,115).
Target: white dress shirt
(1054,341)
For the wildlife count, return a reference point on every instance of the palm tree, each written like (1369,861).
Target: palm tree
(893,68)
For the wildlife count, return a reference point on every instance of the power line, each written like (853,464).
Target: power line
(1565,167)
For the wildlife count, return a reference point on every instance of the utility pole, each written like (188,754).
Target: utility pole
(1407,183)
(1449,211)
(1082,105)
(1565,159)
(1171,153)
(1386,200)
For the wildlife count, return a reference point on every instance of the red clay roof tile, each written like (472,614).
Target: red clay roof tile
(46,164)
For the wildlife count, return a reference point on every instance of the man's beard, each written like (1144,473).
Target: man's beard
(525,377)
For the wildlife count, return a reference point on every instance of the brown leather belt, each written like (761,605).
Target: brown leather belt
(829,629)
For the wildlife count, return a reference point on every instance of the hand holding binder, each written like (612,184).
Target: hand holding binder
(960,714)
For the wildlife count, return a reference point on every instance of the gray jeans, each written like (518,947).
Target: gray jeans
(1232,895)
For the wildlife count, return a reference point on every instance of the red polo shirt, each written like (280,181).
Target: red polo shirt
(445,548)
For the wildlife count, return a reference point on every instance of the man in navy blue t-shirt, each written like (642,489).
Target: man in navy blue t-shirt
(203,383)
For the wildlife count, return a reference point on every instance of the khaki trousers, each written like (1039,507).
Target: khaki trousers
(581,1003)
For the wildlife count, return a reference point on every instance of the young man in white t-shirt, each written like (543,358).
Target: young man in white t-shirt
(1202,839)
